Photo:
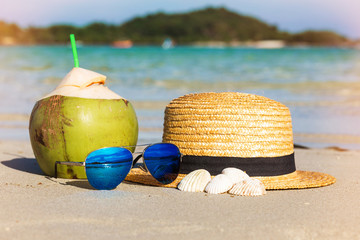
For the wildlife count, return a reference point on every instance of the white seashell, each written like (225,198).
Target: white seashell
(219,184)
(235,174)
(195,181)
(248,187)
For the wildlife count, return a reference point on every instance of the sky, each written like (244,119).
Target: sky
(341,16)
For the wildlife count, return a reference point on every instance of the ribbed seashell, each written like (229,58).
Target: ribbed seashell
(235,174)
(219,184)
(195,181)
(248,187)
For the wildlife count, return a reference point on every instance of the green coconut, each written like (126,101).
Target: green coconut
(78,117)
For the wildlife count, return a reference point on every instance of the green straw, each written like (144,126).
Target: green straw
(73,46)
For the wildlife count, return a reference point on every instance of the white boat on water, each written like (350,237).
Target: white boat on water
(168,43)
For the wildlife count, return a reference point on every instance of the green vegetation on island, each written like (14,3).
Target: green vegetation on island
(204,25)
(318,38)
(210,24)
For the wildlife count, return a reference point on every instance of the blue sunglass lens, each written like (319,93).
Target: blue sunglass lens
(106,168)
(163,161)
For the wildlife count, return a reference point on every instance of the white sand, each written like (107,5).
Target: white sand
(37,207)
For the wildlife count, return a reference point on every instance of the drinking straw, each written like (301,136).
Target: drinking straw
(73,46)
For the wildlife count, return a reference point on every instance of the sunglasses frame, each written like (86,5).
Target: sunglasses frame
(134,160)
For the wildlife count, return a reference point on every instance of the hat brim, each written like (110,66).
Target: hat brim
(295,180)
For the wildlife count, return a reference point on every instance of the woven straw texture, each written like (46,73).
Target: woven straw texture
(228,124)
(295,180)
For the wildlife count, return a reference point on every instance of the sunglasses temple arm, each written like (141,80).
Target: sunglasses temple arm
(136,159)
(67,163)
(142,167)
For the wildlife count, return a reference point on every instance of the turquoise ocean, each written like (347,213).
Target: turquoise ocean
(321,86)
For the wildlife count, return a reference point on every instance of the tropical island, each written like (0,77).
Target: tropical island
(210,26)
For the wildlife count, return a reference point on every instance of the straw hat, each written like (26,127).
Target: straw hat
(218,130)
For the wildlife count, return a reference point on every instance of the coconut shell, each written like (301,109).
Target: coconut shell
(78,117)
(66,128)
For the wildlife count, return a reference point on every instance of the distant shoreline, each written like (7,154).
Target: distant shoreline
(264,44)
(215,27)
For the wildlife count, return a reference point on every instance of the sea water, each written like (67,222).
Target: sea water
(321,86)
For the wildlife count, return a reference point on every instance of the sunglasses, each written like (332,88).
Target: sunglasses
(107,167)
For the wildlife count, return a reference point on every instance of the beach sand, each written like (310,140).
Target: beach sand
(34,206)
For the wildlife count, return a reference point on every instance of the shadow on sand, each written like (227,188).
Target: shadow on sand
(23,164)
(81,184)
